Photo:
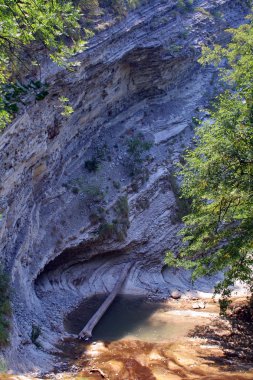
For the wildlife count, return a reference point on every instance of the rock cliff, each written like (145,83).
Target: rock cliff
(82,195)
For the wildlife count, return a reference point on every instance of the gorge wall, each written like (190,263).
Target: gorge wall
(82,195)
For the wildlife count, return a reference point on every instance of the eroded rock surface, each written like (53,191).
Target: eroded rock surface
(83,195)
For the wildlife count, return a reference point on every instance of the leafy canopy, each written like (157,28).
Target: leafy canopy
(30,29)
(24,22)
(26,26)
(218,173)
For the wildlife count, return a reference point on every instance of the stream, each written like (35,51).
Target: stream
(129,317)
(138,339)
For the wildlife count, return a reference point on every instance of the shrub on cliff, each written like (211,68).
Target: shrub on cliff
(218,174)
(5,309)
(185,5)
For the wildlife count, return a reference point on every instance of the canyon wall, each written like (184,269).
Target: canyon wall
(85,194)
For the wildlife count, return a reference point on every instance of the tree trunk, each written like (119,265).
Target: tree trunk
(86,332)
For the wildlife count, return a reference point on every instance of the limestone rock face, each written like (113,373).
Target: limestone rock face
(83,195)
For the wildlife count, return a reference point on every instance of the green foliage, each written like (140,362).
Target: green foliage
(92,165)
(133,3)
(120,7)
(58,27)
(137,148)
(121,207)
(101,154)
(174,48)
(182,204)
(67,109)
(217,14)
(88,7)
(185,5)
(224,304)
(96,217)
(91,192)
(116,184)
(5,308)
(218,174)
(41,95)
(137,145)
(14,93)
(122,212)
(26,25)
(142,204)
(117,229)
(203,11)
(107,231)
(35,334)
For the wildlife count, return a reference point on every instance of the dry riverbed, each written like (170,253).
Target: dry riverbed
(201,346)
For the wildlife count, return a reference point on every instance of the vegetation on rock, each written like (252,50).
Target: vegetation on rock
(30,30)
(218,174)
(25,27)
(117,228)
(5,309)
(137,149)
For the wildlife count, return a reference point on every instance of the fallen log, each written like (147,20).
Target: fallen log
(86,332)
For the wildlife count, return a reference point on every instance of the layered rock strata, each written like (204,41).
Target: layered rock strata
(83,195)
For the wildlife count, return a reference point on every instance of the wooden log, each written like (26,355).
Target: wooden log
(86,332)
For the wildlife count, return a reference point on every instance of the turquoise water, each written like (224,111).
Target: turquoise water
(129,317)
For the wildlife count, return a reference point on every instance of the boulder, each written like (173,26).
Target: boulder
(198,305)
(175,294)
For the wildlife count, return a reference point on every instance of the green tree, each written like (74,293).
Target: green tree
(218,174)
(30,28)
(26,26)
(26,22)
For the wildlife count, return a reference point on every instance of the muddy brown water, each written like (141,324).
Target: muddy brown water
(143,340)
